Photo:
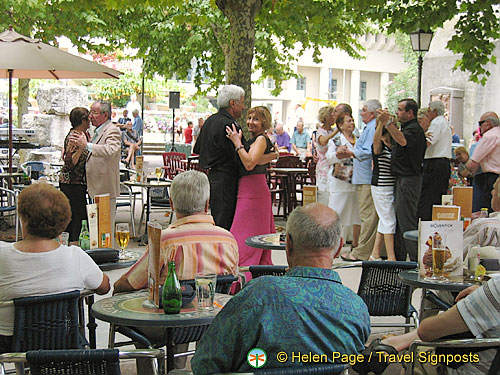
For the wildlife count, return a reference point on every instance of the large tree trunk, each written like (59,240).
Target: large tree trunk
(23,93)
(241,16)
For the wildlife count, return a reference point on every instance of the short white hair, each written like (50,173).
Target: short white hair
(438,106)
(372,105)
(190,192)
(228,93)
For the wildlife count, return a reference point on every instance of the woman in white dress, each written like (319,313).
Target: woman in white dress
(343,195)
(324,133)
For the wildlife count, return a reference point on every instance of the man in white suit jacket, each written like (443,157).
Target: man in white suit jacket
(103,163)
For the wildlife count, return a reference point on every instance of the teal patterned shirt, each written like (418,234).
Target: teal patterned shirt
(308,310)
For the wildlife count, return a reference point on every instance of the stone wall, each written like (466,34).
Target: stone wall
(60,100)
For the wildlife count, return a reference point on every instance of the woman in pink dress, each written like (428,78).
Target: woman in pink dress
(254,213)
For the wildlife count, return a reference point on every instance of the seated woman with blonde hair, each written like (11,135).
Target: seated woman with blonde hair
(38,264)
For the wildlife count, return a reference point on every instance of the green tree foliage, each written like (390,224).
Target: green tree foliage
(477,27)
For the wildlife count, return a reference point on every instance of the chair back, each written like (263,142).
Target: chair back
(311,167)
(263,270)
(289,162)
(47,322)
(172,164)
(381,289)
(95,362)
(223,283)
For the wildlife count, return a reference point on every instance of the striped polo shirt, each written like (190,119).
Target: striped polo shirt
(196,244)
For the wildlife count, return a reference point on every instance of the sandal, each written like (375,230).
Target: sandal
(372,258)
(373,362)
(347,257)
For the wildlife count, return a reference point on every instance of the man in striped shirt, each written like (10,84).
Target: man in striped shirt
(194,242)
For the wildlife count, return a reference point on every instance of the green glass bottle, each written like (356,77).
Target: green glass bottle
(172,295)
(84,239)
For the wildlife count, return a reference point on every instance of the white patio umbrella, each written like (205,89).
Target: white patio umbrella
(24,57)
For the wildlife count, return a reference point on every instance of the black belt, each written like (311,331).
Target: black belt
(448,159)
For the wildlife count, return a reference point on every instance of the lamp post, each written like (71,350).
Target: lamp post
(420,42)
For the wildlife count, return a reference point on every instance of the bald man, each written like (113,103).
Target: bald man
(487,156)
(321,316)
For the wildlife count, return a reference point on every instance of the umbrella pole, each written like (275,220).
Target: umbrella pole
(10,120)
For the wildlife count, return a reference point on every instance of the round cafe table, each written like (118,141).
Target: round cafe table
(127,309)
(269,241)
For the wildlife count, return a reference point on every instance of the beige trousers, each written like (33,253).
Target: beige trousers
(369,222)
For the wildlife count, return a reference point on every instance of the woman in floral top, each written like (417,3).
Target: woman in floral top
(72,180)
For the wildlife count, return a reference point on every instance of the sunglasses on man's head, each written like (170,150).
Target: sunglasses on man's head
(481,122)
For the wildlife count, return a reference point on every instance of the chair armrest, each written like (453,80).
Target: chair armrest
(462,343)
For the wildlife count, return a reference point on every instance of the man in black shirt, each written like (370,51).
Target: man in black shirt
(408,151)
(217,154)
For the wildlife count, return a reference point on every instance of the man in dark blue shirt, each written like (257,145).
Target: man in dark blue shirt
(307,310)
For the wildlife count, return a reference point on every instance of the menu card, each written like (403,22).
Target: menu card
(93,225)
(462,196)
(154,248)
(104,218)
(445,212)
(139,167)
(310,194)
(450,235)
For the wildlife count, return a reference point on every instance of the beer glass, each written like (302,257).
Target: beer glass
(158,173)
(438,256)
(122,234)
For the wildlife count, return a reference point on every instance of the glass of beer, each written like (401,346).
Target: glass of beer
(438,256)
(122,234)
(158,173)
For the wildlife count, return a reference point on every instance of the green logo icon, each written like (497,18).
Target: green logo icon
(256,358)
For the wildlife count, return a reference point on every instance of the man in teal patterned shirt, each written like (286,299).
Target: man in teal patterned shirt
(306,311)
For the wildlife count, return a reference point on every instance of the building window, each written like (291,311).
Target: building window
(362,90)
(301,83)
(270,83)
(332,89)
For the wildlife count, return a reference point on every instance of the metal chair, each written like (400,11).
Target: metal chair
(47,322)
(467,345)
(263,270)
(127,199)
(171,163)
(8,205)
(92,361)
(385,295)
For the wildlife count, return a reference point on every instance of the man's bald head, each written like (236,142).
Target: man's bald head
(312,229)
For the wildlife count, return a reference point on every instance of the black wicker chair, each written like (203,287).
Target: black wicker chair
(385,294)
(263,270)
(47,322)
(321,369)
(76,362)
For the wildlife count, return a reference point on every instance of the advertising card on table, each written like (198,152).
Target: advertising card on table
(104,220)
(450,237)
(93,225)
(445,212)
(154,242)
(462,196)
(310,193)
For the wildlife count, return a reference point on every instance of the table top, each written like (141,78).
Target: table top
(269,241)
(121,263)
(289,170)
(411,235)
(452,284)
(149,184)
(127,309)
(9,175)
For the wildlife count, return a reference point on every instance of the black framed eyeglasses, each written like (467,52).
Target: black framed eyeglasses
(481,122)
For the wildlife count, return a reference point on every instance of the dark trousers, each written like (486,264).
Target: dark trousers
(482,187)
(5,344)
(407,196)
(223,191)
(77,195)
(435,182)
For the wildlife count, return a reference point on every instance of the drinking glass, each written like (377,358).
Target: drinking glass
(122,234)
(205,290)
(158,173)
(438,256)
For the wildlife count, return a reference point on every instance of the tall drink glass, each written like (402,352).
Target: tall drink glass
(122,234)
(438,256)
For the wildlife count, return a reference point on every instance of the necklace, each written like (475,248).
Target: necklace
(353,139)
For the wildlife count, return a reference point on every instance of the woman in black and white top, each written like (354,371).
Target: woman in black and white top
(383,192)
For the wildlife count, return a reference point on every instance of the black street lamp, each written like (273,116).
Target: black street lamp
(420,42)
